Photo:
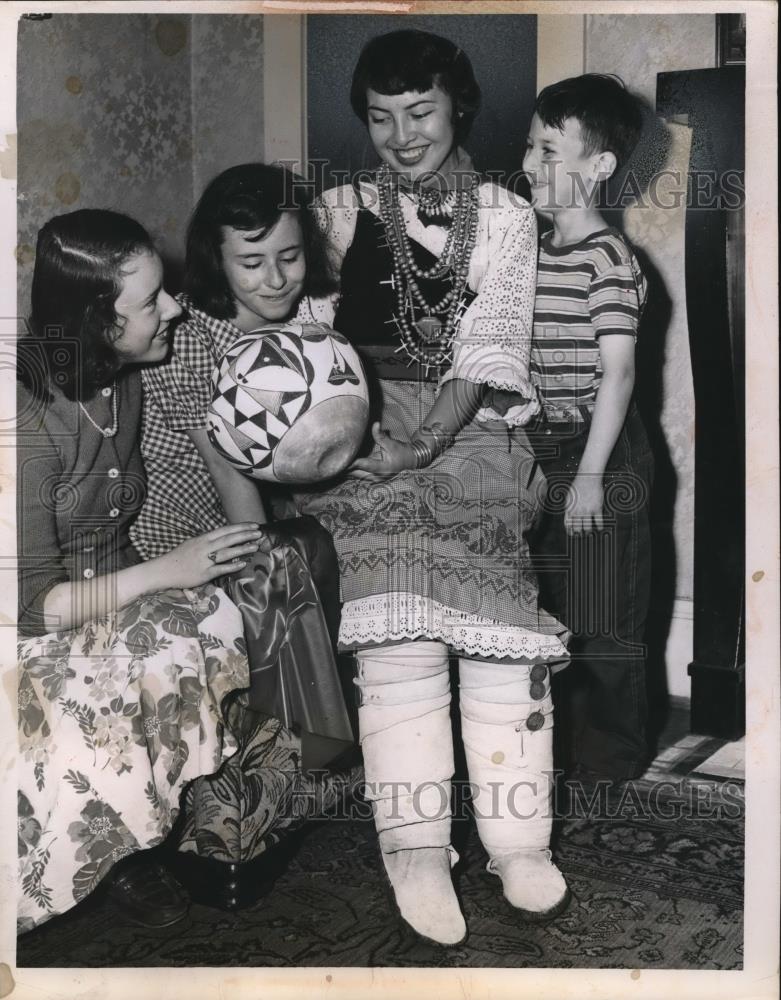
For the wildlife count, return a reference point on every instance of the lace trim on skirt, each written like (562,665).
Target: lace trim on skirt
(391,617)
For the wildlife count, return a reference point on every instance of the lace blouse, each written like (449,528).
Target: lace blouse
(492,343)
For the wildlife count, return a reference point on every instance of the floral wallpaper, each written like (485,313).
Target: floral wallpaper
(659,231)
(104,122)
(227,93)
(133,112)
(637,47)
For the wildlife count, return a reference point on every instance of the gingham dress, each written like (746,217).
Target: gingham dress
(181,500)
(441,553)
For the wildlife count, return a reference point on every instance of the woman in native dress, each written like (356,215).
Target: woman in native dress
(123,666)
(437,290)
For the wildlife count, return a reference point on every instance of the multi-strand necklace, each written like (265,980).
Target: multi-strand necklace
(107,432)
(428,340)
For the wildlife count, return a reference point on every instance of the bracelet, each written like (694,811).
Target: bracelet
(444,439)
(424,455)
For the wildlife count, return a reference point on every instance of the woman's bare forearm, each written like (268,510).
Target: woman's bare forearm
(456,404)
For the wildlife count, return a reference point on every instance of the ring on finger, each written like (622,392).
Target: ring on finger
(213,556)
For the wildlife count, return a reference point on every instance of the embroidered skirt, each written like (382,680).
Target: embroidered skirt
(441,552)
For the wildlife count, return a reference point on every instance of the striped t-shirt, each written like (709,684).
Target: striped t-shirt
(584,291)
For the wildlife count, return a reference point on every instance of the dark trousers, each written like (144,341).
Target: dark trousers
(598,584)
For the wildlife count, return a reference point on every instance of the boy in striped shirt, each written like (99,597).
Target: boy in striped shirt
(593,541)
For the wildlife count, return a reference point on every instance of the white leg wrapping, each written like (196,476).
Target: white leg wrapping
(507,728)
(404,722)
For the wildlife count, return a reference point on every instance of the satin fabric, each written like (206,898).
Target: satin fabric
(288,598)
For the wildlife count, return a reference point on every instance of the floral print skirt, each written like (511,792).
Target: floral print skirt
(115,717)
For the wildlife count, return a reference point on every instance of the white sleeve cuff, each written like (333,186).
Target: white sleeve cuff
(500,367)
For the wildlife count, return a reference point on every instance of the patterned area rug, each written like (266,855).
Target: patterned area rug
(655,870)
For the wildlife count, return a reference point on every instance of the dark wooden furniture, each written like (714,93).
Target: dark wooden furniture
(713,102)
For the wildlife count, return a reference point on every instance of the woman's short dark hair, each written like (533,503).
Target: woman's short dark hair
(412,60)
(77,279)
(250,197)
(610,118)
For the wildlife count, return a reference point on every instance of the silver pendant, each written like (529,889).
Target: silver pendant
(429,328)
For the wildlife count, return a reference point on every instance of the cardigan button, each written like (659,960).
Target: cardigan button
(113,473)
(537,690)
(538,672)
(114,512)
(88,574)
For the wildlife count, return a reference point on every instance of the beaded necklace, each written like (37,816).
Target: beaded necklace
(428,340)
(108,432)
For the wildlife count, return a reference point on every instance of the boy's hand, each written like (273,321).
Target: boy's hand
(583,510)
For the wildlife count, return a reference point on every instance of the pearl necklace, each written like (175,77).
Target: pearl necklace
(107,432)
(429,331)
